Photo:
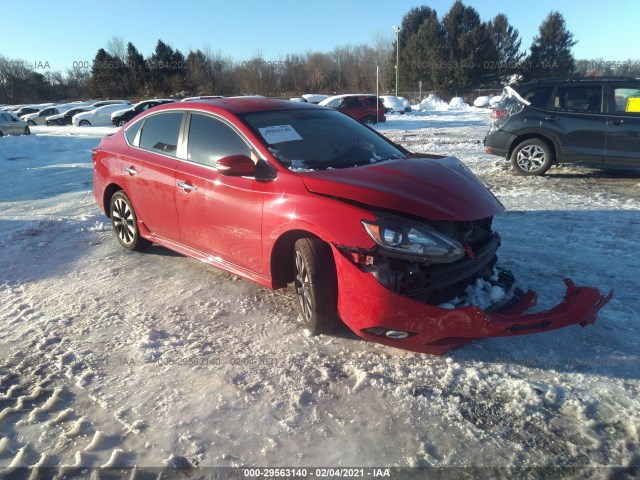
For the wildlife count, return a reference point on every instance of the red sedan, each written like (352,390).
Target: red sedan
(370,234)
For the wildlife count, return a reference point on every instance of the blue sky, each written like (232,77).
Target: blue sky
(60,33)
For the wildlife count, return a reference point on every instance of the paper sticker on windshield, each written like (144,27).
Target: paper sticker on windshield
(633,105)
(279,134)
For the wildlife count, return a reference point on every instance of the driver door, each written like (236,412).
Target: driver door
(218,215)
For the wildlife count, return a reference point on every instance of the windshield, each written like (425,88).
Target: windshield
(306,140)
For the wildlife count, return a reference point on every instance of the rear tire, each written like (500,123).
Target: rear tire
(125,223)
(27,131)
(532,157)
(84,123)
(369,120)
(316,285)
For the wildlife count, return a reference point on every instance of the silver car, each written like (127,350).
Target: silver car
(10,125)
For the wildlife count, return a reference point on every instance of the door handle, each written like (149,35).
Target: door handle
(550,118)
(186,187)
(131,170)
(616,122)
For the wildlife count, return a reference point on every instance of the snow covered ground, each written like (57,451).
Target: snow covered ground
(114,358)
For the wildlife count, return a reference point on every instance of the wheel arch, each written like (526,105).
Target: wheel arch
(528,136)
(281,261)
(109,191)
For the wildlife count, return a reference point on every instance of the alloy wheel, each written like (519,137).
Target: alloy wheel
(531,158)
(123,221)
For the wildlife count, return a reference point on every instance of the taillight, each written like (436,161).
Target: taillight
(497,114)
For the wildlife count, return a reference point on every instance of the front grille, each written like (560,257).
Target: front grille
(476,233)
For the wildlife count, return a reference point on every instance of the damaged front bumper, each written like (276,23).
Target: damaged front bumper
(378,314)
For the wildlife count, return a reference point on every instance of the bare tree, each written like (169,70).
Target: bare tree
(116,47)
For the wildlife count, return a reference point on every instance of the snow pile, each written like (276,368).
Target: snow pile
(433,102)
(483,293)
(482,102)
(458,103)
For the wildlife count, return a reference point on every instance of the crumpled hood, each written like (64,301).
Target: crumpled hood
(442,189)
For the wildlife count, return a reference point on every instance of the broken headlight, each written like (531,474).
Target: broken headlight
(404,238)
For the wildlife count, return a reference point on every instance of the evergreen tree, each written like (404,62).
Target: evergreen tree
(105,81)
(551,49)
(420,40)
(167,71)
(137,72)
(468,47)
(506,42)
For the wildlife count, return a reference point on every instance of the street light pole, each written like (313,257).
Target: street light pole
(397,30)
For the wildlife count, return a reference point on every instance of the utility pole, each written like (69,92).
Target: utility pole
(397,30)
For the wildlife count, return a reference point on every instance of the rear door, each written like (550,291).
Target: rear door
(148,171)
(576,118)
(623,126)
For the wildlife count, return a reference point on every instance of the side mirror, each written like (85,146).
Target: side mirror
(236,166)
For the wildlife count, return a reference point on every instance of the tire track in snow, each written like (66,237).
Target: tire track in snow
(42,397)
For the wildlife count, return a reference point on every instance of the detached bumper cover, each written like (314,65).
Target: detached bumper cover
(372,310)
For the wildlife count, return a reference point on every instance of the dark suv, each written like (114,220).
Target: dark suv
(589,121)
(367,109)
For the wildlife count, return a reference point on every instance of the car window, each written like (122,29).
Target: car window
(160,133)
(586,99)
(335,103)
(626,100)
(211,139)
(351,102)
(132,131)
(304,140)
(538,97)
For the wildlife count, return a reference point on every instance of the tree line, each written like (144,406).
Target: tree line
(458,52)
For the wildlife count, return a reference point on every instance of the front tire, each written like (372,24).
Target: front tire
(316,285)
(84,123)
(31,123)
(27,131)
(122,123)
(532,157)
(369,120)
(125,223)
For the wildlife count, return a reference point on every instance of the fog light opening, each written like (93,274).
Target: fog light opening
(396,334)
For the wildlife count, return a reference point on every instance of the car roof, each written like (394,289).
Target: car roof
(345,95)
(555,80)
(239,105)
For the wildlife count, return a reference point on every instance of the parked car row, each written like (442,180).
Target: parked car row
(17,118)
(120,117)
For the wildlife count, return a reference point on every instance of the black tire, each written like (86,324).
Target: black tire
(84,123)
(316,285)
(122,123)
(31,123)
(1,134)
(532,157)
(369,120)
(27,131)
(125,223)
